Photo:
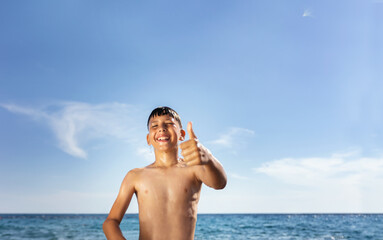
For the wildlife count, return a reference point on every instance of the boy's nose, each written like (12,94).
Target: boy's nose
(162,129)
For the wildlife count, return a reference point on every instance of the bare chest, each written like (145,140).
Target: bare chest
(164,186)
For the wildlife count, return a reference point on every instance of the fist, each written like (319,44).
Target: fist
(192,150)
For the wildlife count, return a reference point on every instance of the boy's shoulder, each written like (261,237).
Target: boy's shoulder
(135,175)
(135,171)
(138,171)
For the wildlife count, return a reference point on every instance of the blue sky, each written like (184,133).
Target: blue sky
(286,94)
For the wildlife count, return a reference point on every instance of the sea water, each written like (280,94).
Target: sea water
(209,226)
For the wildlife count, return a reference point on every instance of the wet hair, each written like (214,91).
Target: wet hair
(161,111)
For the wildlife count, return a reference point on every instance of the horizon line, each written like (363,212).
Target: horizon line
(239,213)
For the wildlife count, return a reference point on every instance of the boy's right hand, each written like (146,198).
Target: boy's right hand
(192,150)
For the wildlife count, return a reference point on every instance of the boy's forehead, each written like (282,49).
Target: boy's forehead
(162,117)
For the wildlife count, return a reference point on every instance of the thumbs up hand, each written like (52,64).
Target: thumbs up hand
(192,150)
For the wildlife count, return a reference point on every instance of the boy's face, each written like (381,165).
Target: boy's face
(164,133)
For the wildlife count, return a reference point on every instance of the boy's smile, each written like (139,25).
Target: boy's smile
(163,138)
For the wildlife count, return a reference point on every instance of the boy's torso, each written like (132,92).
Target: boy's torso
(167,200)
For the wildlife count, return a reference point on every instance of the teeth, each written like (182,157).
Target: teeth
(163,138)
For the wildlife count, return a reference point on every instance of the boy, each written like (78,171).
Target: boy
(167,190)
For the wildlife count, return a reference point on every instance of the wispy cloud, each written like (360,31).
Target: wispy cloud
(313,171)
(307,13)
(237,176)
(76,123)
(233,137)
(342,177)
(146,152)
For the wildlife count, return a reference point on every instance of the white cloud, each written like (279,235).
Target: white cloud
(75,123)
(307,13)
(146,153)
(312,171)
(27,111)
(343,181)
(237,176)
(233,137)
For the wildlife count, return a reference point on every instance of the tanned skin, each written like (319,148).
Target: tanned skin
(167,190)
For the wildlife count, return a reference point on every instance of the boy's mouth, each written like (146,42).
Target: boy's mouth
(162,138)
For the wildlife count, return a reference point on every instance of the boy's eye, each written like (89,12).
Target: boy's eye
(153,126)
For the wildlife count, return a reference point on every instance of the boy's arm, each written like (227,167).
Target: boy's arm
(111,225)
(210,170)
(211,173)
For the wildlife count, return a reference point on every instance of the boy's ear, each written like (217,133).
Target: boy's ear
(182,137)
(147,139)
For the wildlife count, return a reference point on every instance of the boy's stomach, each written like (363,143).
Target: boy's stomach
(167,219)
(177,224)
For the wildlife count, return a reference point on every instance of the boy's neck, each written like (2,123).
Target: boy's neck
(166,159)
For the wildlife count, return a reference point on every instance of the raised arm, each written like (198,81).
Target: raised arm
(111,225)
(212,173)
(207,168)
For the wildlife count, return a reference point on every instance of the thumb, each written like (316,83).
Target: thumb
(190,131)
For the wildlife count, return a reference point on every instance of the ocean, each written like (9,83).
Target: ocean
(209,226)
